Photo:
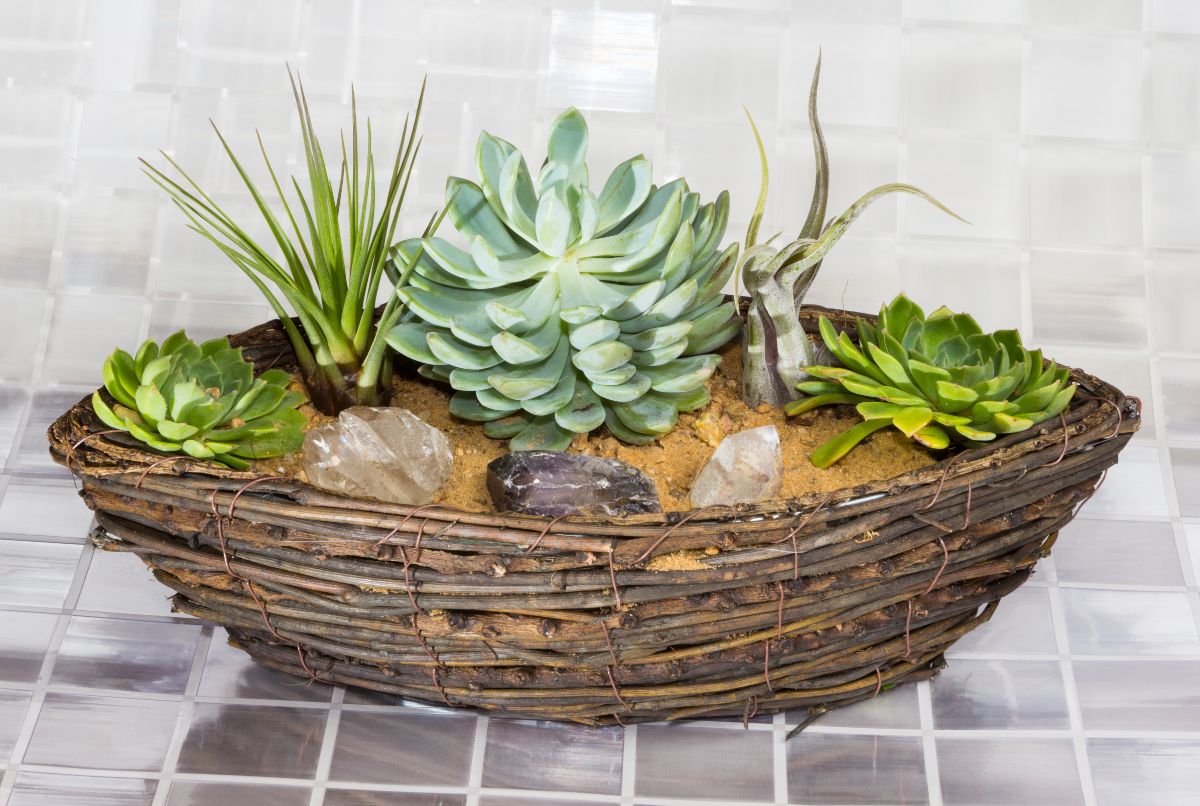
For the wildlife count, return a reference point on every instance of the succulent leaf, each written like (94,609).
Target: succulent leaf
(202,400)
(936,379)
(562,310)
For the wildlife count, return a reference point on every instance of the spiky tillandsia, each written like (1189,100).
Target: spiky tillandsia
(570,310)
(937,379)
(331,268)
(202,400)
(775,347)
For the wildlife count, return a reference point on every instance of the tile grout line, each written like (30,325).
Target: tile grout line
(1071,692)
(328,744)
(34,709)
(184,718)
(933,779)
(475,771)
(779,730)
(629,765)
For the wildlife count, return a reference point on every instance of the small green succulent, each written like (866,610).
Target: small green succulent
(936,379)
(569,310)
(201,399)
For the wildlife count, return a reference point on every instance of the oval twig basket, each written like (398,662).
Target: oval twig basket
(813,602)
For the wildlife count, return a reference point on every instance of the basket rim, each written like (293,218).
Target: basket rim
(81,443)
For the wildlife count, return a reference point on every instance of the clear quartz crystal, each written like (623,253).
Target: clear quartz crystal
(747,467)
(388,454)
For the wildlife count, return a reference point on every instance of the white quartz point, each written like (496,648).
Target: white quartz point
(388,454)
(747,467)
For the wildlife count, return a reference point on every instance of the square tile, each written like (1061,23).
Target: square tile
(36,574)
(1089,297)
(940,273)
(13,704)
(126,655)
(13,401)
(46,789)
(1134,486)
(685,761)
(46,406)
(856,769)
(1101,622)
(1172,175)
(978,179)
(402,746)
(83,329)
(1110,15)
(230,672)
(696,86)
(1185,467)
(75,730)
(28,225)
(604,59)
(21,331)
(24,639)
(999,694)
(33,505)
(894,708)
(1175,16)
(981,94)
(350,797)
(1175,92)
(1129,371)
(121,583)
(544,755)
(1118,552)
(1070,202)
(1021,625)
(108,241)
(860,69)
(1086,87)
(203,793)
(1156,695)
(253,740)
(1001,772)
(858,274)
(116,128)
(1149,772)
(1173,278)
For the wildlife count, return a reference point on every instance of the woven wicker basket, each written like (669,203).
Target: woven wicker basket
(810,603)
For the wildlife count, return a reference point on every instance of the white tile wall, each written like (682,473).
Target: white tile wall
(1066,131)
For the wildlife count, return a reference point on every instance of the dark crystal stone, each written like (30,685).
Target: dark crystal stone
(557,483)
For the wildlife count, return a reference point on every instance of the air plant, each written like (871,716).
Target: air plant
(334,242)
(775,347)
(936,379)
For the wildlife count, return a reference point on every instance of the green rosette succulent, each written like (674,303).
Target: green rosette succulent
(202,400)
(937,379)
(569,310)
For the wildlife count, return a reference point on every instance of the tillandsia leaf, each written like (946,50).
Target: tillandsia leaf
(334,239)
(583,309)
(775,348)
(937,379)
(202,400)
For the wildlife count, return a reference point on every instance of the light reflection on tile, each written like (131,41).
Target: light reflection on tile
(114,733)
(126,655)
(1148,772)
(13,704)
(348,797)
(44,789)
(1101,622)
(229,672)
(36,574)
(1117,552)
(1138,695)
(1021,625)
(856,769)
(994,694)
(1002,772)
(201,793)
(121,583)
(24,638)
(543,755)
(686,761)
(40,506)
(403,746)
(1134,485)
(253,740)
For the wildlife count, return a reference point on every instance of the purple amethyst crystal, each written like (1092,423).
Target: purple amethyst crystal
(557,483)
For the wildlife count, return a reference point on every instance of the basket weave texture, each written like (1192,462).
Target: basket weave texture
(810,603)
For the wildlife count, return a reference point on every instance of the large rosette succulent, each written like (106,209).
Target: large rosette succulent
(568,310)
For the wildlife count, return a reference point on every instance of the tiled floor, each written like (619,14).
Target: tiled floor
(1067,131)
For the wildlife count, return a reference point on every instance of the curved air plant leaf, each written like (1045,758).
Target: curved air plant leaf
(775,347)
